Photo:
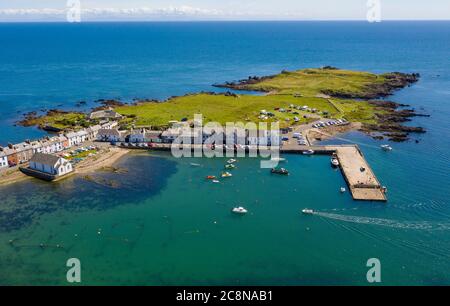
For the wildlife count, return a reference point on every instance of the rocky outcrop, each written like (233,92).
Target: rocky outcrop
(391,82)
(242,84)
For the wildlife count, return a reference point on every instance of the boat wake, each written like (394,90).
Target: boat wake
(423,225)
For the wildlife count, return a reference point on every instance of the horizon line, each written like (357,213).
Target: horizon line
(219,20)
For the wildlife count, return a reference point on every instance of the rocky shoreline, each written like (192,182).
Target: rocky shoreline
(391,115)
(390,121)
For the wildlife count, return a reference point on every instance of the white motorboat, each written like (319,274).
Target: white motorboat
(231,161)
(335,162)
(342,190)
(216,181)
(308,152)
(239,210)
(386,148)
(307,211)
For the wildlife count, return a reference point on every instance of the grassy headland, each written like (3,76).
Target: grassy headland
(326,92)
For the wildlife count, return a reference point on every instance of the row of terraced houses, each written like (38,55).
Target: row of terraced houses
(16,154)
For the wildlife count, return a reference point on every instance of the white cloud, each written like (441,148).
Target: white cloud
(168,11)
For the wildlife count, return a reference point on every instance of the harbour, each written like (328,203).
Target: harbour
(360,178)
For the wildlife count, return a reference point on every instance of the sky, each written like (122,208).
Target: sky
(98,10)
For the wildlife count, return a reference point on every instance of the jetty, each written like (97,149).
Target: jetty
(360,178)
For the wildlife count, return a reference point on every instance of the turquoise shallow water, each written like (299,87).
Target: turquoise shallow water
(165,224)
(176,228)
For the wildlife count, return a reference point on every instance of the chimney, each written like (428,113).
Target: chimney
(10,145)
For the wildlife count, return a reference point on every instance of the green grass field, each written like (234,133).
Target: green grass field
(60,120)
(310,82)
(222,109)
(299,88)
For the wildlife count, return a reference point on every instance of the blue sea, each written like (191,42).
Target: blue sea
(163,224)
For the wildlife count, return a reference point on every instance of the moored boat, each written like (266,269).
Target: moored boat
(210,177)
(231,161)
(227,174)
(386,147)
(334,162)
(281,171)
(239,210)
(308,152)
(230,166)
(342,190)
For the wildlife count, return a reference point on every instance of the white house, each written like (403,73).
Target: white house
(76,138)
(108,124)
(50,164)
(37,146)
(3,159)
(108,135)
(93,131)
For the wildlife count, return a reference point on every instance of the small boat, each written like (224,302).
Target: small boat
(231,161)
(210,177)
(386,147)
(334,162)
(308,152)
(280,171)
(227,174)
(230,166)
(215,181)
(195,165)
(342,190)
(384,189)
(239,210)
(307,211)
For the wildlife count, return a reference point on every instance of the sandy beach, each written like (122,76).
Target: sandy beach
(106,157)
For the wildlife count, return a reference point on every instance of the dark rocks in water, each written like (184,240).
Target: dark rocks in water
(49,128)
(329,68)
(107,104)
(28,119)
(80,103)
(393,81)
(397,137)
(54,112)
(241,84)
(386,104)
(392,130)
